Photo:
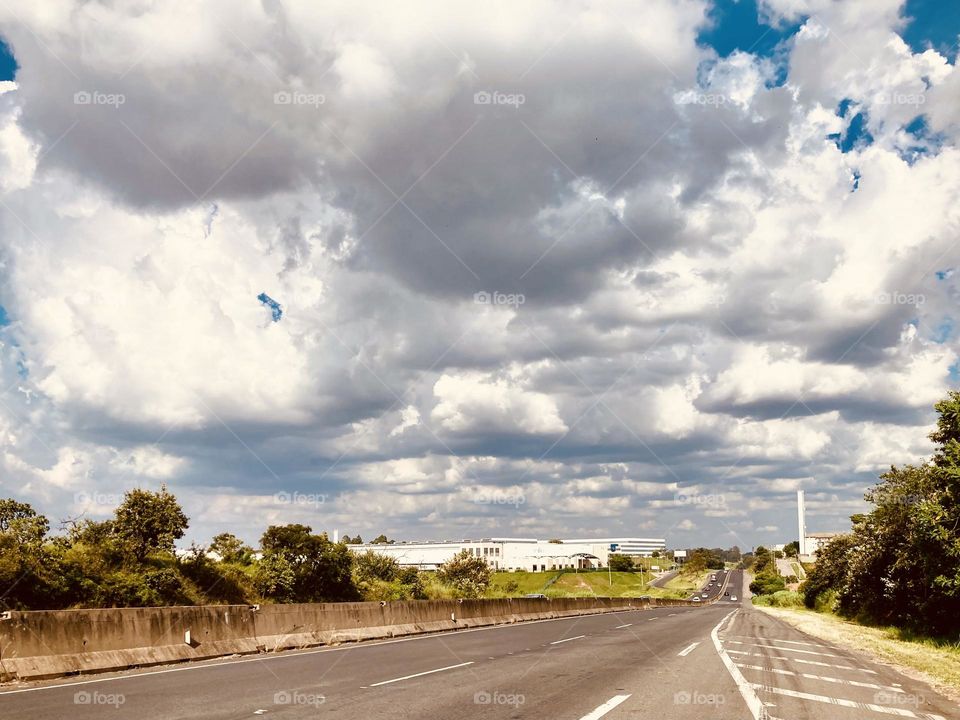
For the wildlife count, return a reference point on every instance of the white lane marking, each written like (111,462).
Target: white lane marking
(902,712)
(287,654)
(623,626)
(746,690)
(557,642)
(605,708)
(792,642)
(420,674)
(783,649)
(650,619)
(671,614)
(688,649)
(824,678)
(801,660)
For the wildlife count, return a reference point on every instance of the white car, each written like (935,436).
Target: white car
(733,598)
(696,599)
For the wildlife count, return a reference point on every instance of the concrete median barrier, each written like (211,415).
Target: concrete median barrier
(53,643)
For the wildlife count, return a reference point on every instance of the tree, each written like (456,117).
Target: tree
(620,563)
(792,549)
(231,549)
(381,540)
(468,575)
(147,522)
(375,566)
(321,568)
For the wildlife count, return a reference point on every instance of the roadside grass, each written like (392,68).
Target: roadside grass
(781,598)
(527,583)
(934,661)
(689,583)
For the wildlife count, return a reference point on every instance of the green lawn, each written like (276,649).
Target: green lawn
(596,583)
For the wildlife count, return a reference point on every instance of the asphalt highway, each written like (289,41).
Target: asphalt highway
(721,660)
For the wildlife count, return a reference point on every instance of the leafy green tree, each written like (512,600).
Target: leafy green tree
(147,522)
(620,563)
(375,566)
(231,549)
(792,549)
(468,575)
(321,568)
(382,540)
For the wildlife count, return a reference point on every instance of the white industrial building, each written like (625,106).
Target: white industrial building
(518,553)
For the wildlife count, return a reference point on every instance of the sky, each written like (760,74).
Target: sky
(535,269)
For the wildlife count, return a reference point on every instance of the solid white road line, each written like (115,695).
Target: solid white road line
(801,660)
(754,705)
(419,674)
(783,649)
(902,712)
(824,678)
(557,642)
(688,649)
(605,708)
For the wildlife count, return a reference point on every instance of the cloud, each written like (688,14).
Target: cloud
(715,297)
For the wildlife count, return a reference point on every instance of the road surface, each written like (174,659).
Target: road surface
(723,660)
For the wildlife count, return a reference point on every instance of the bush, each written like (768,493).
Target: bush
(781,598)
(767,584)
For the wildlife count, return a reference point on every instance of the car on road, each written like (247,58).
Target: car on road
(696,599)
(733,599)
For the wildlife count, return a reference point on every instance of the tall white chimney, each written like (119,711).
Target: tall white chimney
(336,536)
(802,522)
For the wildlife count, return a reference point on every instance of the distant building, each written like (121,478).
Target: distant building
(518,553)
(814,541)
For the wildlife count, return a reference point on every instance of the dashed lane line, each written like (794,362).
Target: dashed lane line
(824,678)
(688,649)
(605,708)
(902,712)
(618,627)
(420,674)
(801,660)
(557,642)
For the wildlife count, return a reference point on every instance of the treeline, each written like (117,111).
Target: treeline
(129,561)
(900,564)
(700,559)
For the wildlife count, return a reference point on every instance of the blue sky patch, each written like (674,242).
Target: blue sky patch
(8,64)
(855,137)
(932,23)
(276,312)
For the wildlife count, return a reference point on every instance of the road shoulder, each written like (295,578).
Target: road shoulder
(936,667)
